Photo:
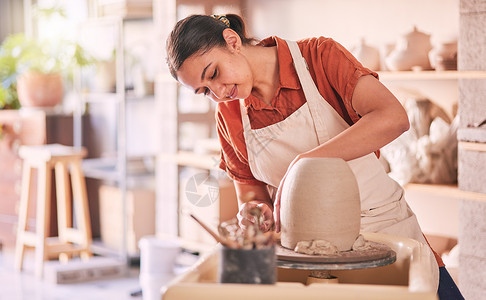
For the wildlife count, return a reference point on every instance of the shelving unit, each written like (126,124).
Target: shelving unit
(178,159)
(442,199)
(114,168)
(193,160)
(117,167)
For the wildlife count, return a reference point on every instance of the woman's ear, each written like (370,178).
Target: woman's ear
(232,39)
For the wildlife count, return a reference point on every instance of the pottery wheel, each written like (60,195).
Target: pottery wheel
(374,255)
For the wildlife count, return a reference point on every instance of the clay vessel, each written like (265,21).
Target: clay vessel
(36,89)
(411,52)
(320,201)
(444,56)
(105,79)
(368,56)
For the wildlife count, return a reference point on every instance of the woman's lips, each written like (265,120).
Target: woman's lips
(233,93)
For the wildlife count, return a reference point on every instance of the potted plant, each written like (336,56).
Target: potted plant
(8,76)
(32,70)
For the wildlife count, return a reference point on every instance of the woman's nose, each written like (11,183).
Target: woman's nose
(217,90)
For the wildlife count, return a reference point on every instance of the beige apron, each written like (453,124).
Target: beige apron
(271,149)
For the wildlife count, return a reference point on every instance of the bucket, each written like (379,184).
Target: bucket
(158,256)
(257,266)
(153,284)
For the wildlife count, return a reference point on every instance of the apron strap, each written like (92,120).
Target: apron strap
(313,95)
(244,116)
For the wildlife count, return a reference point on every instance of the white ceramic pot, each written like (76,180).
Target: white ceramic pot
(320,201)
(105,79)
(444,56)
(411,51)
(368,56)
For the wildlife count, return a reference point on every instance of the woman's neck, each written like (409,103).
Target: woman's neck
(264,65)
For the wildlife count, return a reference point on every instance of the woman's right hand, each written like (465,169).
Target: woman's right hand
(246,217)
(251,196)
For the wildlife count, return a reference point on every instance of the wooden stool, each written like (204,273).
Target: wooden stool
(64,160)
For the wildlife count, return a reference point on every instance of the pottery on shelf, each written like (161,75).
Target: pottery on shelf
(411,52)
(444,56)
(105,79)
(37,89)
(367,55)
(320,201)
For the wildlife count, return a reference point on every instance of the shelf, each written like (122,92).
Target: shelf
(191,159)
(99,248)
(431,75)
(101,168)
(472,146)
(105,169)
(128,10)
(101,98)
(445,190)
(114,97)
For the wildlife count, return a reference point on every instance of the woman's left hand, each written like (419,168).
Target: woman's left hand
(278,195)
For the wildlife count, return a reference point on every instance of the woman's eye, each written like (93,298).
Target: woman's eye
(206,91)
(214,74)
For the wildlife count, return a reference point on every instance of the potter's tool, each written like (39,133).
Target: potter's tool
(247,256)
(219,239)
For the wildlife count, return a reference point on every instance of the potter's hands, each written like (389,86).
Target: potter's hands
(246,217)
(278,195)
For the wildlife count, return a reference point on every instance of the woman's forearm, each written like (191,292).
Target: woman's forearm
(383,120)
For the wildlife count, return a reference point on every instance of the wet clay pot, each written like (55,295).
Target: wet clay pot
(320,201)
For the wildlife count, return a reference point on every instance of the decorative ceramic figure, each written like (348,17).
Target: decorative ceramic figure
(367,55)
(320,201)
(411,52)
(444,56)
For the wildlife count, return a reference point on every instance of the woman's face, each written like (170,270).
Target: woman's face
(222,74)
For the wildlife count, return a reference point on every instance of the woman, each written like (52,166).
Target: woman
(280,101)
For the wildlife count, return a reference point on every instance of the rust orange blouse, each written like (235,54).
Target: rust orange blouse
(335,72)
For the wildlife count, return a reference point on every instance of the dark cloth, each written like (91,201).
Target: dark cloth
(448,289)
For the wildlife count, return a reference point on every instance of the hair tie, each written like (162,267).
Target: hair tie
(222,18)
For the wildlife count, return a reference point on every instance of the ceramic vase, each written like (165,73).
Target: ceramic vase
(411,52)
(105,79)
(368,56)
(320,201)
(36,89)
(444,56)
